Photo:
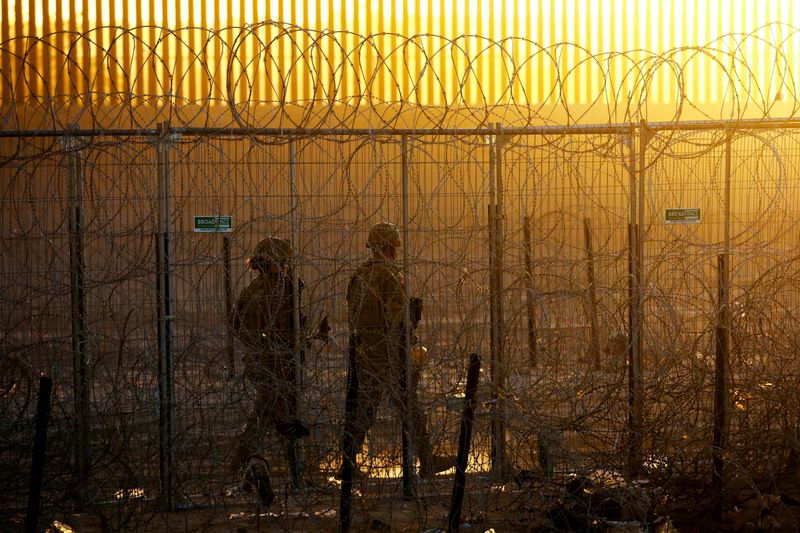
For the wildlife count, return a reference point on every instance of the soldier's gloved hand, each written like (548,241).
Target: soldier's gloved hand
(415,308)
(419,355)
(323,331)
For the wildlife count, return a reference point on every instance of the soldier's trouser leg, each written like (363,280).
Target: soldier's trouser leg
(419,432)
(275,401)
(248,438)
(249,435)
(285,410)
(408,407)
(294,459)
(364,411)
(295,463)
(350,406)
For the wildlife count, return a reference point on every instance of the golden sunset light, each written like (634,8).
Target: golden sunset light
(415,265)
(583,49)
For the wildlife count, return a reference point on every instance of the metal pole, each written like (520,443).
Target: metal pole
(408,454)
(166,364)
(498,363)
(464,439)
(502,371)
(722,356)
(230,371)
(39,447)
(349,452)
(295,460)
(80,371)
(596,129)
(637,331)
(532,345)
(295,239)
(645,134)
(635,408)
(727,206)
(594,346)
(720,394)
(493,330)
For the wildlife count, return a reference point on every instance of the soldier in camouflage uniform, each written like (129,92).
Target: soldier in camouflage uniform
(263,319)
(376,302)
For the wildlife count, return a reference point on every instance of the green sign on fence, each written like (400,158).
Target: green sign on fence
(682,216)
(213,224)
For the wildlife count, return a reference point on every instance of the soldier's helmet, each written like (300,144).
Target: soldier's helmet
(383,235)
(271,250)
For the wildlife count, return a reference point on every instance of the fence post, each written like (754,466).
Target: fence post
(164,310)
(635,407)
(295,240)
(38,459)
(720,395)
(464,440)
(230,372)
(349,452)
(594,346)
(635,301)
(492,241)
(721,356)
(296,459)
(530,309)
(727,192)
(408,455)
(80,373)
(497,323)
(645,134)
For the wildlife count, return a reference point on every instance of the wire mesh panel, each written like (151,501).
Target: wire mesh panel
(562,306)
(566,300)
(520,246)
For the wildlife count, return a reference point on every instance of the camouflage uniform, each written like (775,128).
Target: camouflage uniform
(263,320)
(376,304)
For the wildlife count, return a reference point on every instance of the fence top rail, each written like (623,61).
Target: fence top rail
(589,129)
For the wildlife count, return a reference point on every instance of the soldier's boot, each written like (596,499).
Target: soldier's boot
(429,463)
(256,478)
(435,464)
(355,472)
(348,468)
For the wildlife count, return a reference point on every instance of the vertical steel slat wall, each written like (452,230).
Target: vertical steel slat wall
(570,73)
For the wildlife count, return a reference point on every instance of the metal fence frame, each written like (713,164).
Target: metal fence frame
(640,135)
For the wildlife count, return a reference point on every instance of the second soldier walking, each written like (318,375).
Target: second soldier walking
(376,311)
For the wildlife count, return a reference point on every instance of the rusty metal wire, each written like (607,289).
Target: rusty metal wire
(547,199)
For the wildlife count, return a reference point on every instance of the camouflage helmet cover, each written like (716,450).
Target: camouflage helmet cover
(384,234)
(273,249)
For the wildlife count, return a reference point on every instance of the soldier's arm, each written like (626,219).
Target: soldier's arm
(415,306)
(235,318)
(395,298)
(352,305)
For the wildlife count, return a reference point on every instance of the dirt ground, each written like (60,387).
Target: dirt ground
(531,506)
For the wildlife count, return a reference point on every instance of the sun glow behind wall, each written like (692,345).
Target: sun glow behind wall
(607,40)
